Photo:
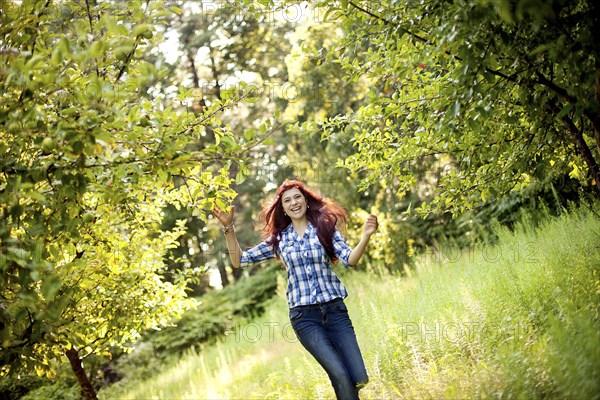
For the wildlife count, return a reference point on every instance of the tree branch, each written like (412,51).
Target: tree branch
(387,22)
(580,143)
(427,41)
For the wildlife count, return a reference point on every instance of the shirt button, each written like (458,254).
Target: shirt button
(305,254)
(308,269)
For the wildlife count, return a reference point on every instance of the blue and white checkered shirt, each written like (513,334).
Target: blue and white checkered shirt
(311,279)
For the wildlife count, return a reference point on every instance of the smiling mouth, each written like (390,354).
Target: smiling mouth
(295,209)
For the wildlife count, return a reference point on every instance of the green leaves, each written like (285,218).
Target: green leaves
(88,162)
(50,287)
(452,100)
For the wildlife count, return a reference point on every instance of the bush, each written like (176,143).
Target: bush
(56,391)
(13,387)
(218,312)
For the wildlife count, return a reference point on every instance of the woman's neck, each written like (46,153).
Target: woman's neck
(300,225)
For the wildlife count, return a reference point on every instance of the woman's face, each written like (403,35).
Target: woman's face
(294,203)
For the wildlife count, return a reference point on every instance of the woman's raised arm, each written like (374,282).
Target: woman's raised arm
(233,246)
(370,228)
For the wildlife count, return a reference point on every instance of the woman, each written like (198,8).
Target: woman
(300,230)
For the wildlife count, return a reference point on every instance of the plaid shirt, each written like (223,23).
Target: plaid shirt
(311,279)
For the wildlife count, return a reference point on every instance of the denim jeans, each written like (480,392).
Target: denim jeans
(325,330)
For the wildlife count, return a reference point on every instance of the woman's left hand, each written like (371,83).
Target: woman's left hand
(370,225)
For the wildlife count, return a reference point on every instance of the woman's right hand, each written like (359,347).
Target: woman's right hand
(226,218)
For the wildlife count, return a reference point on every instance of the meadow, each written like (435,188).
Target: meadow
(517,319)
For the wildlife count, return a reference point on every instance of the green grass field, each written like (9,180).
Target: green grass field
(515,320)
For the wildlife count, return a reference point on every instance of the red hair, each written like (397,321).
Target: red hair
(322,212)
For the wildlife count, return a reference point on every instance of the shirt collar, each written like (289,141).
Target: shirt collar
(288,229)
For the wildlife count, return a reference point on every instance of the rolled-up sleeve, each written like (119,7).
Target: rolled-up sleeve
(260,252)
(341,248)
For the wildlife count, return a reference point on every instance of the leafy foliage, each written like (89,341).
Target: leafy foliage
(225,49)
(88,159)
(219,314)
(17,388)
(485,98)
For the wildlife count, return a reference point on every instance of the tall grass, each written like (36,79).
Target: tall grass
(515,320)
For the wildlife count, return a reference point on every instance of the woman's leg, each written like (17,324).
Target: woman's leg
(341,333)
(308,325)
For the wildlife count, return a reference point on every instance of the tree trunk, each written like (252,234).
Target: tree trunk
(87,390)
(584,150)
(596,54)
(237,273)
(215,72)
(596,115)
(223,273)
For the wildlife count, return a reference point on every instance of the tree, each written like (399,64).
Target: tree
(494,97)
(323,92)
(225,47)
(326,92)
(88,159)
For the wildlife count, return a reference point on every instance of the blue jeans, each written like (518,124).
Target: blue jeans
(325,330)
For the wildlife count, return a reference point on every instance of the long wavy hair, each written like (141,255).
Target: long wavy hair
(324,213)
